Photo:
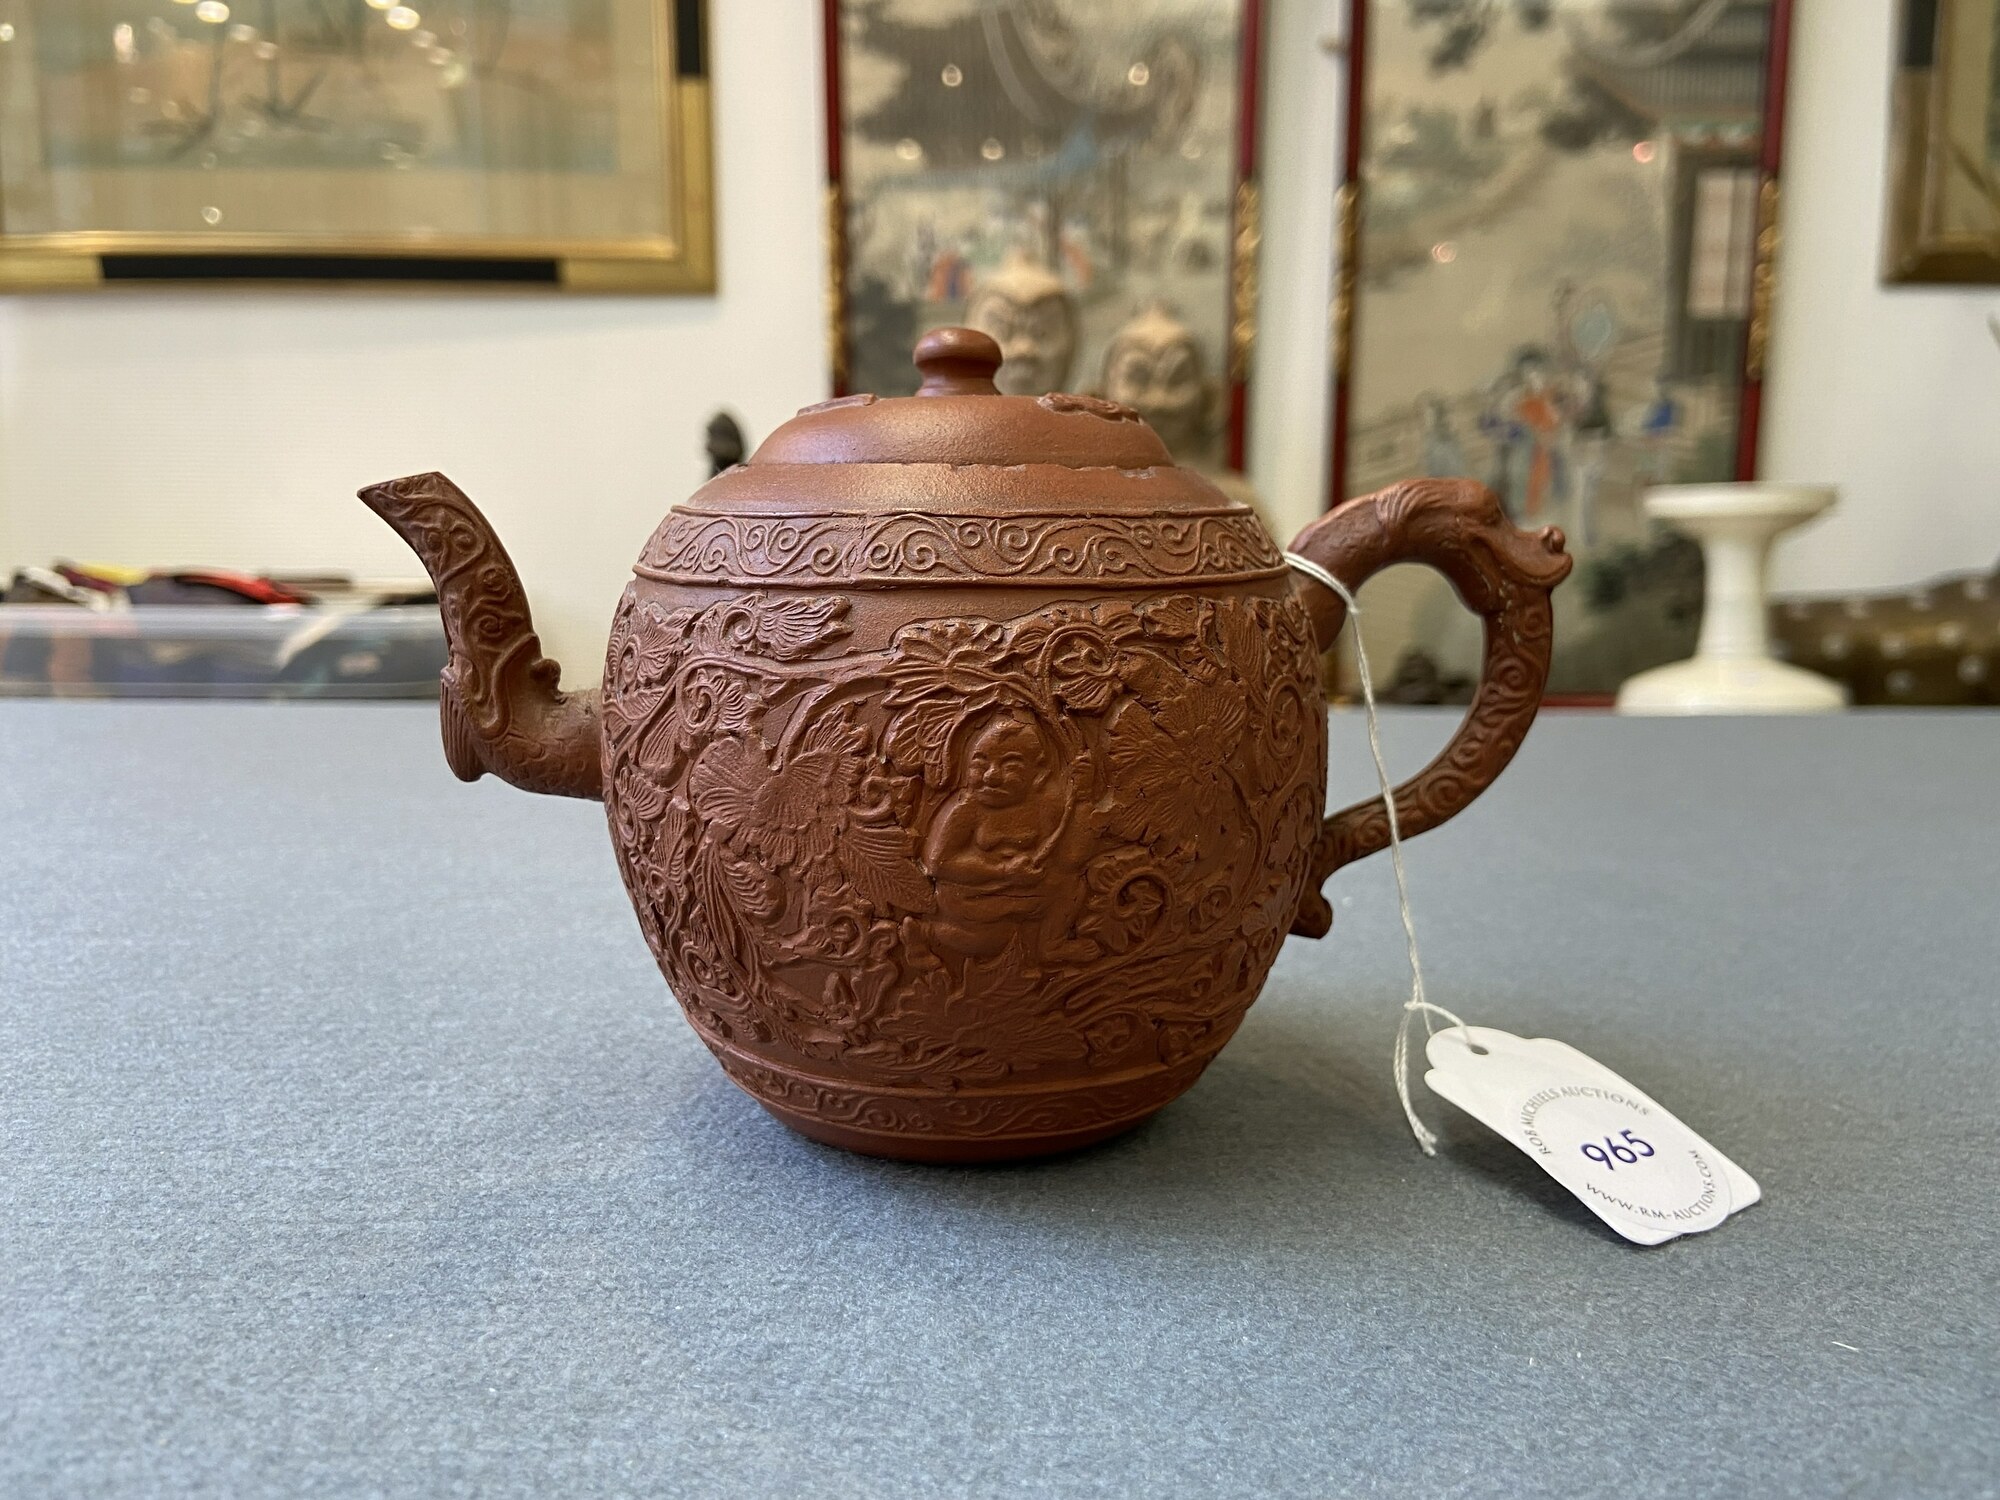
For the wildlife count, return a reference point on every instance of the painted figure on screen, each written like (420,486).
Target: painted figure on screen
(1556,246)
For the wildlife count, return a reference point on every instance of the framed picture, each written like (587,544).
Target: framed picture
(554,142)
(1075,178)
(1944,157)
(1557,236)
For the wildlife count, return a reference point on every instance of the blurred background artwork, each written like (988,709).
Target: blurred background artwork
(1069,177)
(476,127)
(1934,645)
(1555,281)
(1944,161)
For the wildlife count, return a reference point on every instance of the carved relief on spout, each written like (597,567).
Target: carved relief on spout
(499,702)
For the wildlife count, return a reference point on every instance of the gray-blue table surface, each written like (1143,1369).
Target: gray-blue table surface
(350,1144)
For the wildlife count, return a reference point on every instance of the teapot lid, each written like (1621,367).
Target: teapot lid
(959,484)
(958,416)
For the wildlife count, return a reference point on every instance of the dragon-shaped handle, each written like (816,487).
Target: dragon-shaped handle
(1501,573)
(499,702)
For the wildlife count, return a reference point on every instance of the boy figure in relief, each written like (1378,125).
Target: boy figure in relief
(1006,851)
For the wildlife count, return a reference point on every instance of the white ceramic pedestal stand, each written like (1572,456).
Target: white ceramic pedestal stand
(1732,670)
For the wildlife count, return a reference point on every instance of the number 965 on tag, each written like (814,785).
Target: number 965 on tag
(1626,1147)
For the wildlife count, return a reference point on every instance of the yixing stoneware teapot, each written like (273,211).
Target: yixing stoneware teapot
(965,758)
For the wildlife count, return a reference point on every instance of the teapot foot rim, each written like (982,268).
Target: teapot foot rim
(953,1151)
(973,1125)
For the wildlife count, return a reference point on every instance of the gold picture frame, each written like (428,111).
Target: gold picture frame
(136,139)
(1944,164)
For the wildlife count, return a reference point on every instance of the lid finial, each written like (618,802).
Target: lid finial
(957,362)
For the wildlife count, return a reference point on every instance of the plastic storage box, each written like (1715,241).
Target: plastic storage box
(268,651)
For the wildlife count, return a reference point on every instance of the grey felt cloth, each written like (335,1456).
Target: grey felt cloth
(350,1144)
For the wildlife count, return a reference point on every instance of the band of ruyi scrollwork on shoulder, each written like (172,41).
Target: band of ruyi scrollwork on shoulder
(913,548)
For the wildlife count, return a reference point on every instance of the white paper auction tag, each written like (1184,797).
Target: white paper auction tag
(1624,1156)
(1743,1189)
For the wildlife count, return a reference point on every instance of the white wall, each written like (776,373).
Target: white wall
(232,428)
(1893,393)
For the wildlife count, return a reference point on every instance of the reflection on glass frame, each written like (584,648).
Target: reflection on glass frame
(561,142)
(1076,179)
(1944,158)
(1558,229)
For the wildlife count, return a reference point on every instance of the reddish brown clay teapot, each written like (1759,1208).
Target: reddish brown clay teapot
(964,757)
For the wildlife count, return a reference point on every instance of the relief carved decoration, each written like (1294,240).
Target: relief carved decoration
(929,884)
(970,1115)
(1501,573)
(499,704)
(915,548)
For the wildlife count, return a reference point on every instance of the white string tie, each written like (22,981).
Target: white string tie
(1416,1005)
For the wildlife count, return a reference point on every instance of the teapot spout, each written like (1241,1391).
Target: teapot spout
(500,705)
